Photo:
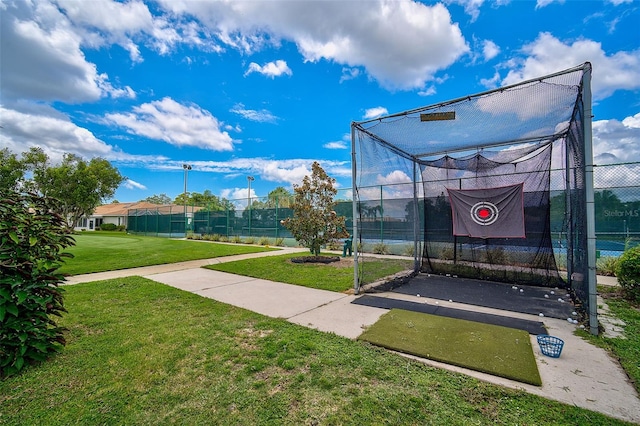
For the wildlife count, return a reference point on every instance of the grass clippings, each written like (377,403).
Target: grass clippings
(500,351)
(142,353)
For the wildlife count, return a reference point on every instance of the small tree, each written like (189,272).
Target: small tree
(158,199)
(315,222)
(32,237)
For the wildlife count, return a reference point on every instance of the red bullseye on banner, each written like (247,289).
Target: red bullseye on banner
(484,213)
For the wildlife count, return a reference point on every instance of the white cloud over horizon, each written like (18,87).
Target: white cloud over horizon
(177,124)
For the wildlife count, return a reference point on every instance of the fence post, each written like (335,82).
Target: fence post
(226,210)
(381,217)
(276,218)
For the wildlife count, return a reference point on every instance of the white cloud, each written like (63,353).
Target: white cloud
(42,57)
(397,176)
(492,82)
(56,135)
(617,141)
(543,3)
(177,124)
(401,44)
(262,116)
(375,112)
(619,2)
(547,54)
(131,184)
(349,74)
(288,171)
(271,69)
(471,7)
(105,22)
(239,195)
(490,50)
(336,145)
(429,91)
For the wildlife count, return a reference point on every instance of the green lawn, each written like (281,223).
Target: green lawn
(143,353)
(325,277)
(109,251)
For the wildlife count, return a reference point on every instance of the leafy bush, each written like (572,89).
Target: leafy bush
(380,248)
(264,241)
(446,253)
(606,265)
(409,250)
(628,273)
(32,239)
(108,227)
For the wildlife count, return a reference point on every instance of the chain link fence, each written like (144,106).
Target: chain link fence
(387,215)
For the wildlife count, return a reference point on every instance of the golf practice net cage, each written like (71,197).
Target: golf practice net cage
(496,185)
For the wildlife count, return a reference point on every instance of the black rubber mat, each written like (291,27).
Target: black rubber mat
(532,327)
(490,294)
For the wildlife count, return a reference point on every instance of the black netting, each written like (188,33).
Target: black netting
(528,260)
(530,134)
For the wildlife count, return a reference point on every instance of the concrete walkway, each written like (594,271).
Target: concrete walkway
(584,375)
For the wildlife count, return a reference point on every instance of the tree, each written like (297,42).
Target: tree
(80,186)
(280,197)
(314,222)
(158,199)
(12,170)
(206,199)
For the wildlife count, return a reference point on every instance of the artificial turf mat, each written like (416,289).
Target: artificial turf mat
(492,349)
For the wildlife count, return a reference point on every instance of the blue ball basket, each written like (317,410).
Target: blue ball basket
(550,346)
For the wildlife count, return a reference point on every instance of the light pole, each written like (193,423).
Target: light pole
(249,180)
(186,168)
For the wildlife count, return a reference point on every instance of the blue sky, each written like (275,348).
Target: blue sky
(264,88)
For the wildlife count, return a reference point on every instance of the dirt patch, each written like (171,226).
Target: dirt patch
(334,261)
(315,259)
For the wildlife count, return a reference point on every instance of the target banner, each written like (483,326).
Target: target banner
(488,212)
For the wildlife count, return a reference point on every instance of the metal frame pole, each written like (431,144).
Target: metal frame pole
(416,222)
(590,205)
(356,281)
